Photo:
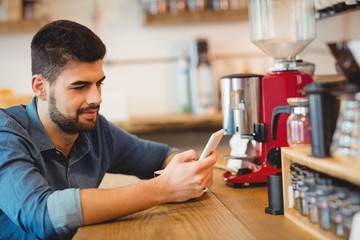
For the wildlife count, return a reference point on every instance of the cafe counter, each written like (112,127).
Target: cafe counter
(222,212)
(172,123)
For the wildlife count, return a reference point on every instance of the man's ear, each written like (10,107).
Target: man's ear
(39,86)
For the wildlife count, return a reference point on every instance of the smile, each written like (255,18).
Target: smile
(90,114)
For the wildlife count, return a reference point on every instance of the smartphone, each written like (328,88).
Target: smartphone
(212,144)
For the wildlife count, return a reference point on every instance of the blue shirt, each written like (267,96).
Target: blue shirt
(39,185)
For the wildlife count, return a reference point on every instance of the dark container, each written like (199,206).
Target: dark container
(324,104)
(275,195)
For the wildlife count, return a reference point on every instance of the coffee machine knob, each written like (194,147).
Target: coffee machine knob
(274,157)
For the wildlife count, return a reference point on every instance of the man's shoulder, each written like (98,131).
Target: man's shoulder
(13,117)
(108,129)
(104,124)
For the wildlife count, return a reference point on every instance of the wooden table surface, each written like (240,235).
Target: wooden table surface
(221,213)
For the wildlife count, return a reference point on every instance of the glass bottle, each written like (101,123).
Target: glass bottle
(295,185)
(298,123)
(203,87)
(183,83)
(350,208)
(336,202)
(323,191)
(345,142)
(311,196)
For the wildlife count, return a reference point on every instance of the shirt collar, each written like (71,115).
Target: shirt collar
(42,140)
(36,130)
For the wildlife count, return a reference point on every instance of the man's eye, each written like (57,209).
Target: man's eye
(100,83)
(79,87)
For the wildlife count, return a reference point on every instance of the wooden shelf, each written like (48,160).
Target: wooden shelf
(304,223)
(22,26)
(320,16)
(196,17)
(339,167)
(342,168)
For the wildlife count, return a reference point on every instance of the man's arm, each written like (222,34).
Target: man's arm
(182,179)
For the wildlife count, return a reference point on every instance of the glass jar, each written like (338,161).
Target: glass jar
(323,191)
(299,184)
(313,212)
(346,138)
(295,185)
(350,208)
(336,202)
(298,123)
(304,210)
(306,190)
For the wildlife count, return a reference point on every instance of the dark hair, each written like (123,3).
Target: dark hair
(61,42)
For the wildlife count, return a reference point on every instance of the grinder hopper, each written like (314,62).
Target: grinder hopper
(282,29)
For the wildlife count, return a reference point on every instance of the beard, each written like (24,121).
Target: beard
(71,124)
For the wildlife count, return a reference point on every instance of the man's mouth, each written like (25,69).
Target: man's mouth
(90,112)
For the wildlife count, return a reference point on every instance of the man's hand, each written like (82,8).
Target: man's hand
(185,178)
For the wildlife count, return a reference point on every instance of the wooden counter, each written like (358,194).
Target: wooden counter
(8,98)
(142,124)
(221,213)
(172,123)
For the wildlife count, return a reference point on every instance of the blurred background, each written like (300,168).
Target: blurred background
(141,64)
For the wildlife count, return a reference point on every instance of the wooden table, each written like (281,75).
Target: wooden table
(221,213)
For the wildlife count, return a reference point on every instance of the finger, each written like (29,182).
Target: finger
(208,180)
(205,178)
(207,162)
(186,156)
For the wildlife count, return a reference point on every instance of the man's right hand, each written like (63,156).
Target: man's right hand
(185,178)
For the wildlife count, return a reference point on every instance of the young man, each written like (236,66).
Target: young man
(55,151)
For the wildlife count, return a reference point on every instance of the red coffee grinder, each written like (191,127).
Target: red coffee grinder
(282,29)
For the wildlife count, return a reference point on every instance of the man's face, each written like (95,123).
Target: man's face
(75,98)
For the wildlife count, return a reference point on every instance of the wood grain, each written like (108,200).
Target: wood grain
(203,218)
(222,213)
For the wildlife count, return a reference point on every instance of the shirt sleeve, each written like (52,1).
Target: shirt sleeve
(26,193)
(135,156)
(67,217)
(30,202)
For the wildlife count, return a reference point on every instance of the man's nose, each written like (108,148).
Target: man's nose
(94,95)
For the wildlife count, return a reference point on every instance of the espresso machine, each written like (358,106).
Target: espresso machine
(281,29)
